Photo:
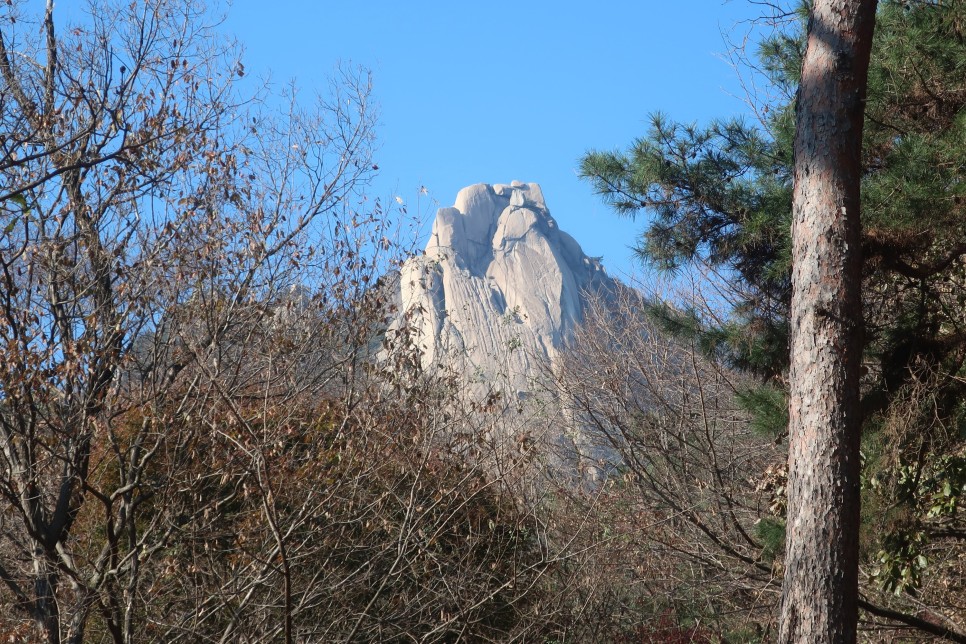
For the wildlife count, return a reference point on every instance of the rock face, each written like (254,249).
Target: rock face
(499,283)
(499,286)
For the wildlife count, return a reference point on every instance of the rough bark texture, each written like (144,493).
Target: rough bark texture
(819,596)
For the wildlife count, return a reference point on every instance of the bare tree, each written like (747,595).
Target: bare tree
(151,222)
(687,486)
(209,429)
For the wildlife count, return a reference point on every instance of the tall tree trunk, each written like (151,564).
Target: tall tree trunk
(46,611)
(820,590)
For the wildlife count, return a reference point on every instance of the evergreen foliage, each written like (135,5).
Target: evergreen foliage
(720,196)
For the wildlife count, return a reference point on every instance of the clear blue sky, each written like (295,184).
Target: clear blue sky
(473,92)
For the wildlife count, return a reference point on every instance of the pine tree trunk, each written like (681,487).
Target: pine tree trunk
(820,590)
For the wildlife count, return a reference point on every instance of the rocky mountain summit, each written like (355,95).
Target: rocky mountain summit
(499,285)
(497,294)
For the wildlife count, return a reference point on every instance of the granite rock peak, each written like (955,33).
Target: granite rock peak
(499,285)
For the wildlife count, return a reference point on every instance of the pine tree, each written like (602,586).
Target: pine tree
(721,196)
(820,588)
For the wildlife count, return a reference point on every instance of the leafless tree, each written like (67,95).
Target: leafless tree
(153,223)
(689,486)
(209,429)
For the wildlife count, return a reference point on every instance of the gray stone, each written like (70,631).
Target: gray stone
(500,281)
(500,289)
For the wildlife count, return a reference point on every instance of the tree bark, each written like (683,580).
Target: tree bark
(820,589)
(46,612)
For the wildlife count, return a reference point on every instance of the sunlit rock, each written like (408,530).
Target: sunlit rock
(499,290)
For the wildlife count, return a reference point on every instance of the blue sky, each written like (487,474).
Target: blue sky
(473,92)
